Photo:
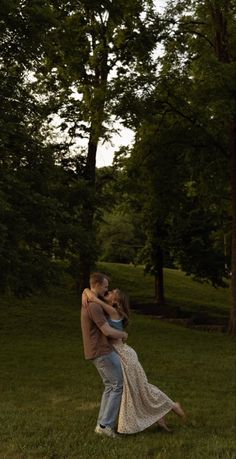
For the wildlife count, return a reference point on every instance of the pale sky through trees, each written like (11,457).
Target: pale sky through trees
(106,151)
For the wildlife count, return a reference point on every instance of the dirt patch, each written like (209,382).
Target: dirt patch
(174,314)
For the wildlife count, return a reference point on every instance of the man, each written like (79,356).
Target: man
(96,332)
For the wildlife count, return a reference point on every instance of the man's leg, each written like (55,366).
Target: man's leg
(109,368)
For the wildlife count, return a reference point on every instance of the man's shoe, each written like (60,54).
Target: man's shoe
(108,431)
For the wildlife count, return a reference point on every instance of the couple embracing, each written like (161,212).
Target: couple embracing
(129,402)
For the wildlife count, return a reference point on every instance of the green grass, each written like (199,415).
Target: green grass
(180,290)
(49,395)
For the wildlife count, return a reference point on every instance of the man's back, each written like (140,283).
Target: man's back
(95,342)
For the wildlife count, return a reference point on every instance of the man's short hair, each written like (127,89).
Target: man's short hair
(97,278)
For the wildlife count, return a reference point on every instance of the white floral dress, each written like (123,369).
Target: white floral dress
(142,403)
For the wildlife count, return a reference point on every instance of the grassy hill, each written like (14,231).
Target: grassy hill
(180,289)
(49,395)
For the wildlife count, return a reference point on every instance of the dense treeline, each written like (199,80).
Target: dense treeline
(167,201)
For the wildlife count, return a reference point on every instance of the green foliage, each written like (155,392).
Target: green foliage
(195,244)
(119,234)
(180,158)
(93,48)
(88,63)
(88,43)
(116,238)
(42,190)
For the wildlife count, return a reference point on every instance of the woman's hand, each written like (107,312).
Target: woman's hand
(87,296)
(91,296)
(125,337)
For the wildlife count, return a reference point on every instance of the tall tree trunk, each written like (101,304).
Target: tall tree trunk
(87,253)
(159,279)
(232,322)
(97,116)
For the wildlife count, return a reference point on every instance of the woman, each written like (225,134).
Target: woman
(142,403)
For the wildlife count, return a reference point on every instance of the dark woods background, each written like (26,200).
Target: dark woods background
(167,201)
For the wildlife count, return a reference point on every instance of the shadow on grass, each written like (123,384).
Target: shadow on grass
(192,319)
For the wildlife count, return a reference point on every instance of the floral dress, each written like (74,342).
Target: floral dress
(142,403)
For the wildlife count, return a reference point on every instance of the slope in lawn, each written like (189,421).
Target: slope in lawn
(180,290)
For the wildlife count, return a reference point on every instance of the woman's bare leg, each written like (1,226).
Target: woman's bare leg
(162,424)
(177,408)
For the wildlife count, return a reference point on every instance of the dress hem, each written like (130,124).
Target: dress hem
(149,424)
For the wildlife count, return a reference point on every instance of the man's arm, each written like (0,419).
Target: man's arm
(110,332)
(97,315)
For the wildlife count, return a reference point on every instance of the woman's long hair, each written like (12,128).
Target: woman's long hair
(122,305)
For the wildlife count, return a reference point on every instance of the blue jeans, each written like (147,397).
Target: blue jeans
(109,368)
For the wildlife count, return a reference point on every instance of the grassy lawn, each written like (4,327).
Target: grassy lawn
(49,395)
(180,289)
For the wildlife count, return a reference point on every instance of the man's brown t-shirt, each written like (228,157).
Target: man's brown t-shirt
(95,342)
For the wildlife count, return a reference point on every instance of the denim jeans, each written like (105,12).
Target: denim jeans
(109,368)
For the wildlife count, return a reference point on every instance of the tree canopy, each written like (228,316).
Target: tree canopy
(170,200)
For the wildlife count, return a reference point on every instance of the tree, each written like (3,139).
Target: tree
(36,206)
(25,162)
(181,147)
(208,52)
(92,50)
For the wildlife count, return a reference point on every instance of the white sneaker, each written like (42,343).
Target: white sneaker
(108,431)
